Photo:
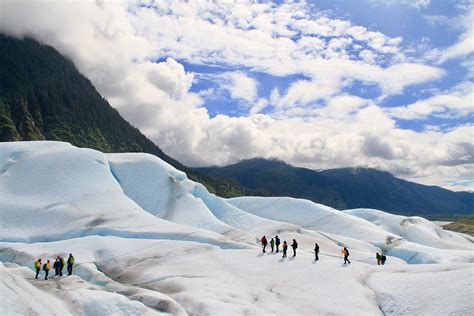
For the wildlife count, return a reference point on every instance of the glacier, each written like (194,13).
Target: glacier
(149,241)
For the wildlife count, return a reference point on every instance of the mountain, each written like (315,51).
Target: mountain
(346,188)
(44,97)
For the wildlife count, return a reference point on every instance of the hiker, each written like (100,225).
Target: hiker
(285,248)
(46,268)
(264,242)
(37,267)
(316,251)
(294,245)
(56,266)
(383,259)
(62,263)
(70,263)
(277,243)
(272,243)
(345,253)
(379,258)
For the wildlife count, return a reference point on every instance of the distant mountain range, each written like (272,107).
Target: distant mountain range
(44,97)
(346,188)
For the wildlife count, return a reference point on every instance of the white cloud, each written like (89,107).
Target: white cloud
(313,123)
(259,106)
(239,85)
(415,4)
(169,77)
(464,46)
(455,103)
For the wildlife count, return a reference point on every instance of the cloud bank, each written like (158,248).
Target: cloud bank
(134,54)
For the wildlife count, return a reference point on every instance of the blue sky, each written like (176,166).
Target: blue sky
(386,84)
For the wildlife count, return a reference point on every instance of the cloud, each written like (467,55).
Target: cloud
(239,85)
(315,122)
(375,147)
(457,102)
(280,40)
(169,76)
(464,46)
(415,4)
(259,106)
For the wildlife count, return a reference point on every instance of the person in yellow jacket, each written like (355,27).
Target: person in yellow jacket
(37,267)
(46,268)
(345,253)
(70,263)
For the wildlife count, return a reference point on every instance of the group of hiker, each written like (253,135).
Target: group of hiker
(275,241)
(58,266)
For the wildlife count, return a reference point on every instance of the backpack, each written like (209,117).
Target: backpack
(296,245)
(37,265)
(62,261)
(44,267)
(70,260)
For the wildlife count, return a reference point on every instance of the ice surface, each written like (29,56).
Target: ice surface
(414,229)
(148,240)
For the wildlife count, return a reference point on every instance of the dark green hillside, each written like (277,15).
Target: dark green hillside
(43,96)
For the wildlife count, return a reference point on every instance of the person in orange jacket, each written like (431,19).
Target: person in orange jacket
(46,268)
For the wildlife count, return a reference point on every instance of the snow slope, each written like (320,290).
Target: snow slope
(414,229)
(148,240)
(312,216)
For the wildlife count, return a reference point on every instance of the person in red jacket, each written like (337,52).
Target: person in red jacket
(264,243)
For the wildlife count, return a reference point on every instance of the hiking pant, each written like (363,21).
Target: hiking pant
(46,276)
(61,270)
(69,269)
(284,253)
(273,246)
(294,252)
(56,271)
(346,260)
(264,246)
(316,256)
(277,248)
(37,272)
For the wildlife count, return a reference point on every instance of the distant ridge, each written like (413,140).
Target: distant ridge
(346,188)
